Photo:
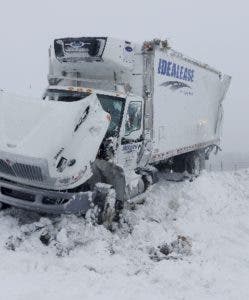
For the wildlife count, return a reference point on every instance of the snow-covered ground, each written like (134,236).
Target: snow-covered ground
(190,240)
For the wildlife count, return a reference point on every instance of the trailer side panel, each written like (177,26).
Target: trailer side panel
(186,105)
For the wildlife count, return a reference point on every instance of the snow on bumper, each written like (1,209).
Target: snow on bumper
(46,201)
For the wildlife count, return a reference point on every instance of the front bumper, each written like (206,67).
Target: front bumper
(45,201)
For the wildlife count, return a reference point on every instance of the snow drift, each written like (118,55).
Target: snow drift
(190,240)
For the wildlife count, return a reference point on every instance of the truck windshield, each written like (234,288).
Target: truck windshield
(115,107)
(65,96)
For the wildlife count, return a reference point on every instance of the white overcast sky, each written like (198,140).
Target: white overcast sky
(216,32)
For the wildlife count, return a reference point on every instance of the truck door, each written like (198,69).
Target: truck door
(131,133)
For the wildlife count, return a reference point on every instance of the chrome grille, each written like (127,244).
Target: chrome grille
(25,171)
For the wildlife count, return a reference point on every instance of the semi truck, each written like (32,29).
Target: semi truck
(114,112)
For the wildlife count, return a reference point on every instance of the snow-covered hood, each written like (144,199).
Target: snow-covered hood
(49,130)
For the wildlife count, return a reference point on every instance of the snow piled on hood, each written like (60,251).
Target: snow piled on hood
(190,240)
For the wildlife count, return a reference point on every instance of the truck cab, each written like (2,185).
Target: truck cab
(119,151)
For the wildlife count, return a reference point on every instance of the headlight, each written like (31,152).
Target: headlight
(70,180)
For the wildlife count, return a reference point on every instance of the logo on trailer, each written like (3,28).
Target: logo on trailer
(184,76)
(170,69)
(175,85)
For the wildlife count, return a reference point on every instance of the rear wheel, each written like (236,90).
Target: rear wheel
(191,162)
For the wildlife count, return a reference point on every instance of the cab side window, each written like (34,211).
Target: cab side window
(133,117)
